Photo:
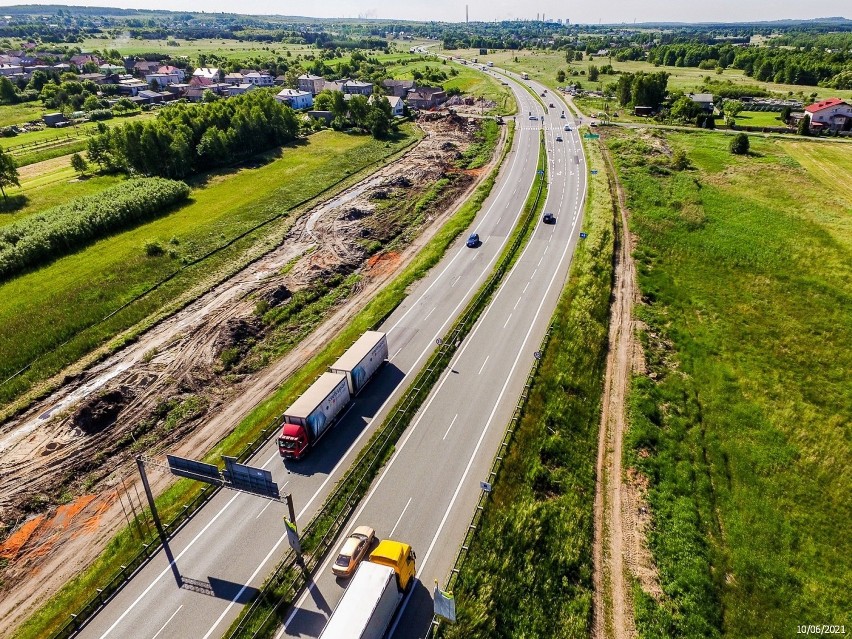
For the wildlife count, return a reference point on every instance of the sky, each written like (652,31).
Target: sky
(582,11)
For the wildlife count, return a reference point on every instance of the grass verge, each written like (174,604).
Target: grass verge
(257,426)
(741,422)
(541,509)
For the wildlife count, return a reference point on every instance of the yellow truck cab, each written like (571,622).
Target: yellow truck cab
(399,556)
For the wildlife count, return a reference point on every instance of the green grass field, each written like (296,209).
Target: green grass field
(18,113)
(543,65)
(758,118)
(229,48)
(742,425)
(66,300)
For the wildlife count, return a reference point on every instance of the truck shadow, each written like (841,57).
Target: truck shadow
(415,619)
(331,448)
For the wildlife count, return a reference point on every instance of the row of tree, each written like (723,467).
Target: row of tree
(186,138)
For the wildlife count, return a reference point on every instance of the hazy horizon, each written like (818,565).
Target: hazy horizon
(614,12)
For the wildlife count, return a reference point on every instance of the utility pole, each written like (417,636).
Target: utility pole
(150,496)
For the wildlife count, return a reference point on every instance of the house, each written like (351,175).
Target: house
(112,69)
(131,87)
(150,97)
(143,67)
(354,87)
(259,79)
(11,69)
(704,100)
(397,105)
(239,89)
(211,73)
(313,84)
(84,58)
(200,81)
(177,89)
(295,98)
(333,85)
(170,70)
(833,114)
(161,79)
(234,78)
(398,88)
(328,116)
(62,67)
(643,110)
(97,78)
(280,80)
(194,94)
(425,97)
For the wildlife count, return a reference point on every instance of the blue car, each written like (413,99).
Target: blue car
(473,240)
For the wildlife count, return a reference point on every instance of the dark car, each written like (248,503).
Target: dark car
(549,218)
(473,240)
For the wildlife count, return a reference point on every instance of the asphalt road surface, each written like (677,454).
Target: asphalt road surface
(427,492)
(212,566)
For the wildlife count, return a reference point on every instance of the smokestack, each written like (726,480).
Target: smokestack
(466,15)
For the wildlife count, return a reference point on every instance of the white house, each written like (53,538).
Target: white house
(833,114)
(170,70)
(295,98)
(234,78)
(239,89)
(259,79)
(162,79)
(210,73)
(397,105)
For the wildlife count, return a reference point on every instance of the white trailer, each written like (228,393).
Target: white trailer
(361,360)
(311,416)
(368,605)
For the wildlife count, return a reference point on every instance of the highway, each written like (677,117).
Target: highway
(427,492)
(213,565)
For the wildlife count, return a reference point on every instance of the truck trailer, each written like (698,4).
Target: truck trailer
(312,415)
(372,598)
(361,360)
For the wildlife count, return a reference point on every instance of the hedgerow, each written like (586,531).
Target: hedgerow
(63,229)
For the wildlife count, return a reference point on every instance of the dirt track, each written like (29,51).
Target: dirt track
(621,515)
(83,435)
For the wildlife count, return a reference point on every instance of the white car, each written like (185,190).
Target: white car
(567,128)
(532,117)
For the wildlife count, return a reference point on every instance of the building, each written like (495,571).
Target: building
(112,69)
(151,97)
(397,105)
(259,79)
(84,58)
(170,70)
(425,97)
(201,81)
(832,114)
(132,87)
(313,84)
(97,78)
(399,88)
(11,69)
(234,78)
(211,73)
(143,67)
(239,89)
(162,79)
(355,87)
(704,100)
(52,119)
(295,98)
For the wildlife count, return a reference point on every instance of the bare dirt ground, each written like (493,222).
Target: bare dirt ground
(621,514)
(82,436)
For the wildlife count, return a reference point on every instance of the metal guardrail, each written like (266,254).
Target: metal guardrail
(371,458)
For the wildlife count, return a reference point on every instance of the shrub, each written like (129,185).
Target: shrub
(62,229)
(153,248)
(739,144)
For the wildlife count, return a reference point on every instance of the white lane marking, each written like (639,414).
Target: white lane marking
(451,425)
(518,302)
(483,364)
(398,351)
(433,310)
(494,409)
(540,260)
(525,288)
(167,622)
(271,459)
(507,320)
(168,568)
(393,530)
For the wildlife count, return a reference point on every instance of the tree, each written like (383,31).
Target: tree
(804,125)
(785,114)
(79,164)
(8,93)
(732,107)
(739,144)
(8,173)
(594,72)
(560,76)
(684,108)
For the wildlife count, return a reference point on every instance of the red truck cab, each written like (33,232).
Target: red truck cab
(293,441)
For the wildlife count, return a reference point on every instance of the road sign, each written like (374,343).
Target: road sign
(583,236)
(592,136)
(540,171)
(484,485)
(183,467)
(439,341)
(445,604)
(594,171)
(538,355)
(293,536)
(250,479)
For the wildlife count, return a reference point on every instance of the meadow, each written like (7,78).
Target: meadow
(55,315)
(541,508)
(543,66)
(741,424)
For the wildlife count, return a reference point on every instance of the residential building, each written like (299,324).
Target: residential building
(234,78)
(201,81)
(132,87)
(150,97)
(97,78)
(259,79)
(239,89)
(313,84)
(176,71)
(399,88)
(333,85)
(83,58)
(355,87)
(11,69)
(704,100)
(396,104)
(211,73)
(161,79)
(112,69)
(143,67)
(295,98)
(425,97)
(832,114)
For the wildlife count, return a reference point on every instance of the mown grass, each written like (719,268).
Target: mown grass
(759,118)
(54,316)
(741,424)
(543,66)
(541,513)
(50,188)
(18,113)
(125,544)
